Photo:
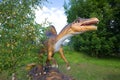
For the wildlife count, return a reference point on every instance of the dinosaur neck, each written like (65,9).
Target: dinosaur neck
(63,33)
(61,37)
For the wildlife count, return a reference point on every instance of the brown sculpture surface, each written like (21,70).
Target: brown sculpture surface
(54,41)
(39,72)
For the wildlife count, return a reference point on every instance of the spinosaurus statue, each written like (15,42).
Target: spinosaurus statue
(54,41)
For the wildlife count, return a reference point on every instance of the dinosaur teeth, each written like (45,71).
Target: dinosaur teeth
(89,23)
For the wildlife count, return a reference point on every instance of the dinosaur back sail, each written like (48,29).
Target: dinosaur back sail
(51,31)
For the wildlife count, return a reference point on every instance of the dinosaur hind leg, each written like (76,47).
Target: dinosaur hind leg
(63,57)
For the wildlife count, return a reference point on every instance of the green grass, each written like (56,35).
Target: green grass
(88,68)
(83,67)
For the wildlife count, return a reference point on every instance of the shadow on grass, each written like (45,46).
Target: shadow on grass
(113,77)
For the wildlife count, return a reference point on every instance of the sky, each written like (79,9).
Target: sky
(53,12)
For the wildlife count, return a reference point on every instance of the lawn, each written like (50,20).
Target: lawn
(83,67)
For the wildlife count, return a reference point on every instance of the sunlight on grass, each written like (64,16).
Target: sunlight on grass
(76,57)
(84,67)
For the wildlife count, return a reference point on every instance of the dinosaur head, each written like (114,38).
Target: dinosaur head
(82,25)
(78,26)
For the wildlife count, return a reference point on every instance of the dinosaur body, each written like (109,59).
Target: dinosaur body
(54,42)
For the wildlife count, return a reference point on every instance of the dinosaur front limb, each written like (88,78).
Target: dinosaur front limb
(50,57)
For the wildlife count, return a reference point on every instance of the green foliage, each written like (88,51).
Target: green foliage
(19,33)
(106,40)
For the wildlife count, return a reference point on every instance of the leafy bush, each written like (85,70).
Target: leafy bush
(106,40)
(19,34)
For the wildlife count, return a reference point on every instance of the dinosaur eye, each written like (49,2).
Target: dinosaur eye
(77,21)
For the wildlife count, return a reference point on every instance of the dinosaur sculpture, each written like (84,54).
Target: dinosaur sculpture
(54,41)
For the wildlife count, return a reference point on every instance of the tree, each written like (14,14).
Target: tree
(18,31)
(105,40)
